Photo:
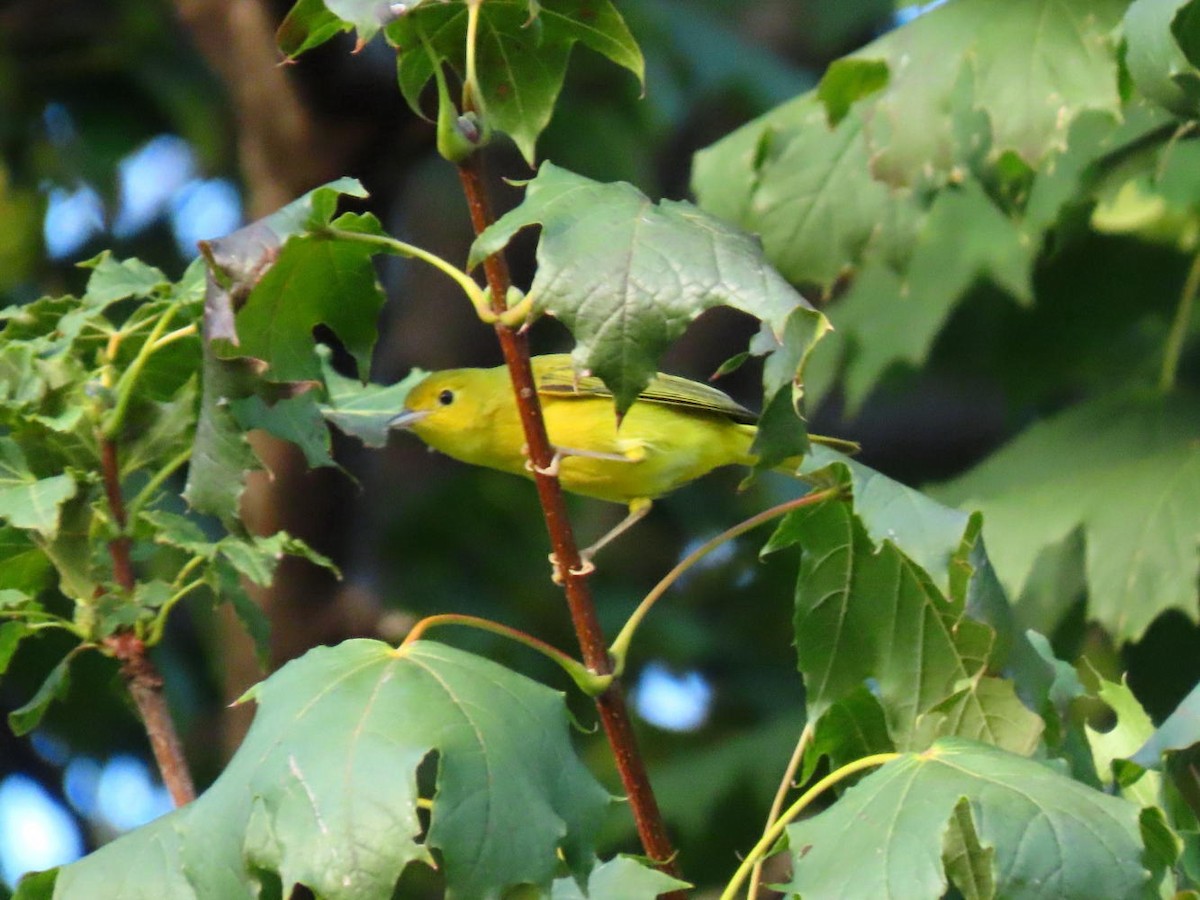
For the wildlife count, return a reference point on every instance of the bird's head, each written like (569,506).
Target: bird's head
(447,407)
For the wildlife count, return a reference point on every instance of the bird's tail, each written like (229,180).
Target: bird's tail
(745,438)
(792,463)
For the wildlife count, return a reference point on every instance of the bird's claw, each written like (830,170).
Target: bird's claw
(585,567)
(551,470)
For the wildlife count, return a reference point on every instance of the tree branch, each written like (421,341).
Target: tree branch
(141,676)
(614,714)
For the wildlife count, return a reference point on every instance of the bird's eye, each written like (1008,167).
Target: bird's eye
(446,398)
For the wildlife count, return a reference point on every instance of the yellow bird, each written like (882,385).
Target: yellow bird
(676,431)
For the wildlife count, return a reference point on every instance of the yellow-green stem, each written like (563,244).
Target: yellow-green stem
(128,379)
(474,292)
(589,682)
(785,784)
(472,96)
(1179,327)
(146,494)
(160,620)
(772,834)
(185,331)
(620,646)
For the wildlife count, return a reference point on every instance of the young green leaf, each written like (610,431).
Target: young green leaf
(27,501)
(627,276)
(11,634)
(522,50)
(362,410)
(1113,746)
(323,791)
(1049,836)
(114,280)
(26,718)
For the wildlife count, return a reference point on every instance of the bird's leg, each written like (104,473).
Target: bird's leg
(637,511)
(637,508)
(561,452)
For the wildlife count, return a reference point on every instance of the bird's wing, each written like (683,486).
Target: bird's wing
(557,377)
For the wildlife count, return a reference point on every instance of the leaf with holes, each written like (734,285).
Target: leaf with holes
(323,791)
(627,276)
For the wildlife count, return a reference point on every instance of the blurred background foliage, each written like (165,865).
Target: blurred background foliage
(144,126)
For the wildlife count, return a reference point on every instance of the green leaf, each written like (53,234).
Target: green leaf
(889,318)
(224,583)
(296,419)
(114,611)
(315,280)
(1180,731)
(155,432)
(1163,52)
(847,81)
(627,276)
(808,193)
(23,566)
(1124,468)
(27,501)
(868,611)
(114,280)
(26,718)
(323,791)
(257,557)
(297,276)
(622,878)
(310,23)
(909,132)
(1049,836)
(521,54)
(1131,730)
(362,410)
(11,634)
(968,864)
(852,727)
(221,455)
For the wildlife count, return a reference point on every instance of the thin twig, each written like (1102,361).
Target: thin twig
(786,783)
(614,716)
(1179,327)
(141,675)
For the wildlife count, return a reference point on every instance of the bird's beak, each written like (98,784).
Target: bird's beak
(408,418)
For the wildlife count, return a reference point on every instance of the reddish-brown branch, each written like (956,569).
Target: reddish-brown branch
(611,704)
(141,675)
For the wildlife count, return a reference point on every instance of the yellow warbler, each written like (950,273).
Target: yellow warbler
(676,431)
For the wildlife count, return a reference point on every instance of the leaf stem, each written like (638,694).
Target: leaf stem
(128,379)
(620,646)
(474,292)
(786,783)
(177,334)
(588,682)
(146,494)
(614,715)
(771,835)
(1179,327)
(472,96)
(160,620)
